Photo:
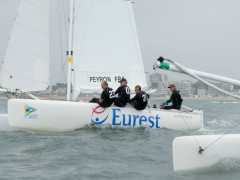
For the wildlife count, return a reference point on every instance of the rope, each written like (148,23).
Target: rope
(214,87)
(194,136)
(221,137)
(48,97)
(162,83)
(15,91)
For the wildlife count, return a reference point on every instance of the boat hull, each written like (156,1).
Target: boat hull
(186,157)
(59,116)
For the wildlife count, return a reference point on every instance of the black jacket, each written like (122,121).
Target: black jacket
(108,97)
(123,94)
(176,99)
(140,100)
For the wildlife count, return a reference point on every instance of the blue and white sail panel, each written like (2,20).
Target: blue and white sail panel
(105,45)
(26,62)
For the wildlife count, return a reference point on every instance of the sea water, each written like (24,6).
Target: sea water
(112,153)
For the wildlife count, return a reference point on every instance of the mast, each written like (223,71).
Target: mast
(70,51)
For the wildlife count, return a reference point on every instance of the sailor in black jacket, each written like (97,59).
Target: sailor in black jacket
(107,96)
(175,98)
(140,100)
(123,93)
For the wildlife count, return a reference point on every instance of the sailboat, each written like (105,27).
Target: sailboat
(196,153)
(102,45)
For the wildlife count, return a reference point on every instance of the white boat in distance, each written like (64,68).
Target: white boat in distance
(103,45)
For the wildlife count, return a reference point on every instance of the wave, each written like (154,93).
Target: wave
(225,102)
(228,165)
(4,125)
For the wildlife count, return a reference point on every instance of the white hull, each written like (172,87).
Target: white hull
(58,116)
(187,158)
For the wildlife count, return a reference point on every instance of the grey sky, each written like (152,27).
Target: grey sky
(202,35)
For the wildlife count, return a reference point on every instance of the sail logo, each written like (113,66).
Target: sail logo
(29,112)
(98,112)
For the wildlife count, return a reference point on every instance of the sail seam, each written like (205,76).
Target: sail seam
(32,4)
(24,52)
(19,24)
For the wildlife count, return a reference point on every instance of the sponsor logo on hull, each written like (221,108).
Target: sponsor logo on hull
(100,115)
(95,115)
(30,112)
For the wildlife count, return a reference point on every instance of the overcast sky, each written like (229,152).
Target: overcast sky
(202,35)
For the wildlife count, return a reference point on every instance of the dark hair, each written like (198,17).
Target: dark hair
(105,82)
(139,87)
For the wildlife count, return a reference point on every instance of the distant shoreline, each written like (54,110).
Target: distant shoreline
(197,98)
(152,98)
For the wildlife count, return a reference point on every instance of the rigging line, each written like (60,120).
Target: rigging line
(194,136)
(185,70)
(168,91)
(131,19)
(48,97)
(86,27)
(215,141)
(162,83)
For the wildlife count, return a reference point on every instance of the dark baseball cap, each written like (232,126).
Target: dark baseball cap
(123,80)
(171,85)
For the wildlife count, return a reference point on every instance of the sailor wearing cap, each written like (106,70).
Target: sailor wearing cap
(175,98)
(123,93)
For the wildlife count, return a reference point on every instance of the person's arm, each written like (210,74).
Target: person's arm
(133,99)
(103,96)
(166,102)
(171,98)
(117,91)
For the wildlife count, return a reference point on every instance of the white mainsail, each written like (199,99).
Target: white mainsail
(105,45)
(26,62)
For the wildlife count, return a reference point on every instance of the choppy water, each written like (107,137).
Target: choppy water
(97,153)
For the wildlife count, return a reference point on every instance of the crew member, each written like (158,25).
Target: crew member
(123,94)
(107,96)
(175,98)
(140,100)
